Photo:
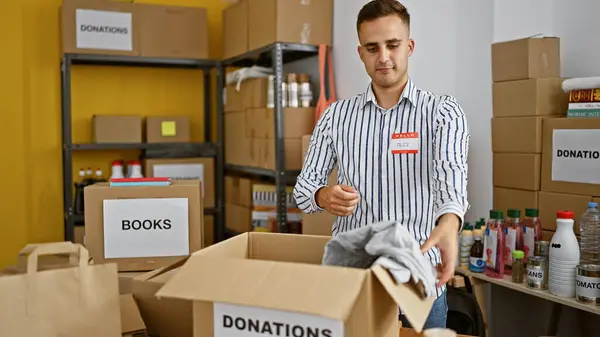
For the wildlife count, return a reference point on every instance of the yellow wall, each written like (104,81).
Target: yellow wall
(31,193)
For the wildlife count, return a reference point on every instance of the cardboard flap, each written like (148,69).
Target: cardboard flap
(415,308)
(157,272)
(131,320)
(311,289)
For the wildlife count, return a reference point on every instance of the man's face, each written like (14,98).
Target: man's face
(384,49)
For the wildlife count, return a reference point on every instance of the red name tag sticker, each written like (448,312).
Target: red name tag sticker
(403,143)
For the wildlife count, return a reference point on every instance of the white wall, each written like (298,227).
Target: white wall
(453,56)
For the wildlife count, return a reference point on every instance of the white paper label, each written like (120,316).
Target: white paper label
(180,172)
(535,274)
(232,320)
(588,286)
(490,247)
(404,143)
(97,29)
(511,244)
(576,156)
(146,227)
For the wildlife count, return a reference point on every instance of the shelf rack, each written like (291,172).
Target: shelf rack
(202,149)
(274,55)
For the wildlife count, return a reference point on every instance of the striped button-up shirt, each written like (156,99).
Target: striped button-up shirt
(407,163)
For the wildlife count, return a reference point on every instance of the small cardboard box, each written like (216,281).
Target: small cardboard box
(571,156)
(132,324)
(202,169)
(174,129)
(239,149)
(99,27)
(238,191)
(235,29)
(284,284)
(239,218)
(532,97)
(528,129)
(517,170)
(252,93)
(266,154)
(143,227)
(520,59)
(117,129)
(505,198)
(305,22)
(551,202)
(173,31)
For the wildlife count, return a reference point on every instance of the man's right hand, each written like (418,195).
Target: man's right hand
(340,200)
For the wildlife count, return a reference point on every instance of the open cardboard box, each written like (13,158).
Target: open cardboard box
(275,282)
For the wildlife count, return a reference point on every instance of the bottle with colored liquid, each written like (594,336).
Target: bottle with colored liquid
(476,260)
(514,238)
(532,231)
(495,245)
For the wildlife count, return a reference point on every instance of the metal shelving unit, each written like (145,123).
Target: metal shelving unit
(274,55)
(203,149)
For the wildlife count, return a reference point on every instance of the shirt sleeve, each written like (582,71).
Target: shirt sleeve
(450,153)
(319,161)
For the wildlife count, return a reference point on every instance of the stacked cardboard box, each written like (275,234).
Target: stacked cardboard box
(250,127)
(526,91)
(570,167)
(238,203)
(252,24)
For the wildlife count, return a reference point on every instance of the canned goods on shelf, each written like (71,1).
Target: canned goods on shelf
(587,283)
(537,273)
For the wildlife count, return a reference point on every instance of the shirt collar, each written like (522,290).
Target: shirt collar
(409,93)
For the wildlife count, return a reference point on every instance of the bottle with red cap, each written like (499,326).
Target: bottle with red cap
(564,256)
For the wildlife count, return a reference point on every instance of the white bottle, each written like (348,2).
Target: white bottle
(466,242)
(135,169)
(564,256)
(117,170)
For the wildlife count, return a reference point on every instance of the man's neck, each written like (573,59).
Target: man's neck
(388,97)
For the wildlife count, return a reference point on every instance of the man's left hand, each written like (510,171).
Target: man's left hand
(445,237)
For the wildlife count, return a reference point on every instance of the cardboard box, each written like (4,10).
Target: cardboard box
(319,223)
(173,31)
(238,191)
(406,332)
(132,324)
(305,22)
(517,134)
(252,93)
(517,170)
(117,129)
(550,203)
(505,198)
(526,58)
(239,149)
(532,97)
(209,230)
(164,317)
(175,129)
(265,149)
(285,282)
(127,225)
(99,27)
(238,218)
(235,29)
(202,169)
(125,281)
(260,122)
(571,156)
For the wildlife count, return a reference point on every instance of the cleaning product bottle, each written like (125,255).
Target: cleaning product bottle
(495,245)
(514,238)
(532,231)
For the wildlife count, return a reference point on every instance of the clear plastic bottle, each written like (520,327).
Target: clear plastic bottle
(494,245)
(532,231)
(589,227)
(514,237)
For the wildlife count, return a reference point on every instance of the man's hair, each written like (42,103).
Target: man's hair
(376,9)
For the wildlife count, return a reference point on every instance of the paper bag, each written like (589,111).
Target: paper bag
(75,301)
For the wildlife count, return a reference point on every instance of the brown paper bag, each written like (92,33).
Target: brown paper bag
(77,301)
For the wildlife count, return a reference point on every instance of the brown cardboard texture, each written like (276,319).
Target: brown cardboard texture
(517,170)
(528,129)
(259,279)
(99,27)
(117,129)
(532,97)
(526,58)
(132,324)
(142,228)
(235,29)
(505,198)
(163,317)
(551,202)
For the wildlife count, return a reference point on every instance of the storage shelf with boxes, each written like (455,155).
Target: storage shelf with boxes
(143,37)
(262,127)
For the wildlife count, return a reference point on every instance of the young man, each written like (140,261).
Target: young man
(401,151)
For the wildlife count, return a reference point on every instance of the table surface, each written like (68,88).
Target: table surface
(522,287)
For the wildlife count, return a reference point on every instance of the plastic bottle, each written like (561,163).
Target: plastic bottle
(135,169)
(532,231)
(514,237)
(589,228)
(476,260)
(494,245)
(466,241)
(564,256)
(478,232)
(98,177)
(117,170)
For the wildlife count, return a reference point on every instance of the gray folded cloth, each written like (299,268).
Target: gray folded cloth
(388,244)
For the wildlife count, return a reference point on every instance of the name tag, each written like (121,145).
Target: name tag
(406,142)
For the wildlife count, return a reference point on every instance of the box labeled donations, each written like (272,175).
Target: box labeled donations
(271,284)
(143,227)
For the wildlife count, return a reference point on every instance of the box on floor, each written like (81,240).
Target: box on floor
(282,277)
(127,225)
